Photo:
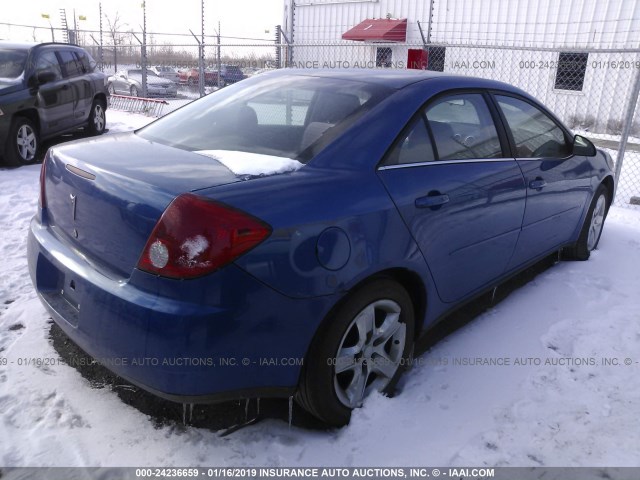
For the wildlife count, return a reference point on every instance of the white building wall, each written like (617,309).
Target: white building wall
(583,25)
(541,23)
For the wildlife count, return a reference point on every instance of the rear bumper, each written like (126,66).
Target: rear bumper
(220,337)
(162,92)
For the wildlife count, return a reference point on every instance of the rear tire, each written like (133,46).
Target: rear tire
(22,144)
(97,119)
(592,227)
(134,91)
(364,345)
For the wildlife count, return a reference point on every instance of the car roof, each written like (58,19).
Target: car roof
(31,45)
(393,78)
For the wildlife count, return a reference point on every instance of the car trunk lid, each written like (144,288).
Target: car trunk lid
(105,196)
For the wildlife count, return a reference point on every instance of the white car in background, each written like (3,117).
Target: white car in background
(129,82)
(163,71)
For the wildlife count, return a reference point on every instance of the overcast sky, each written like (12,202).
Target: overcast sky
(239,18)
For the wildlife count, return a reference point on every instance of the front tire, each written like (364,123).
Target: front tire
(134,91)
(97,119)
(364,345)
(23,143)
(592,227)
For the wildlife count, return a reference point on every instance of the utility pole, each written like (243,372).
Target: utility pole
(75,28)
(100,50)
(219,59)
(628,121)
(46,15)
(144,49)
(201,79)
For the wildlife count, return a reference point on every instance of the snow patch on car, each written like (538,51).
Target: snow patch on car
(193,247)
(245,163)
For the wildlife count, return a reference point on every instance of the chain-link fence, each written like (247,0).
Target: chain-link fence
(595,92)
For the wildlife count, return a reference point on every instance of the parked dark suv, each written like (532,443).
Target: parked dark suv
(45,90)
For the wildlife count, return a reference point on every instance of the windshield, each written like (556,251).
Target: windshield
(286,116)
(12,63)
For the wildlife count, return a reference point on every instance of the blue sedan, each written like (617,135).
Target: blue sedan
(295,234)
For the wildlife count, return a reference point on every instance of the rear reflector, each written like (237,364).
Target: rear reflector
(196,236)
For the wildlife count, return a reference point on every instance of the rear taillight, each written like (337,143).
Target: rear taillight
(42,201)
(196,236)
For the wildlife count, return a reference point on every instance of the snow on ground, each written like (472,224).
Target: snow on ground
(576,413)
(606,136)
(118,121)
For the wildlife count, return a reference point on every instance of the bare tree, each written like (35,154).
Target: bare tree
(113,27)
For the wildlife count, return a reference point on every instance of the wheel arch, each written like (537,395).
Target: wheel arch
(416,289)
(102,98)
(407,279)
(609,184)
(31,114)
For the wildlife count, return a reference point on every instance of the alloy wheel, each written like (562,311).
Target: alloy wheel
(98,118)
(370,352)
(27,143)
(597,221)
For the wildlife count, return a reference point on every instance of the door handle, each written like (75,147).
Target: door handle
(431,201)
(537,184)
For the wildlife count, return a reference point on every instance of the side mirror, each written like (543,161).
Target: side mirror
(582,146)
(46,76)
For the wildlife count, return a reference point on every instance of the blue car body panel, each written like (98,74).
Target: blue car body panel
(553,212)
(193,339)
(336,222)
(469,241)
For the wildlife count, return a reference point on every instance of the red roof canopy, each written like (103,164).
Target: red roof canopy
(380,30)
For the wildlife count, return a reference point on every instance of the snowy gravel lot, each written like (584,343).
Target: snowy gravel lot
(554,404)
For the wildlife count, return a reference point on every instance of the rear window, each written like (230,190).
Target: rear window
(12,63)
(286,116)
